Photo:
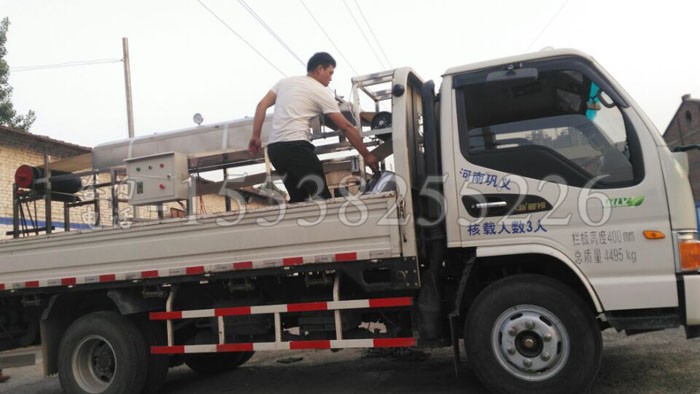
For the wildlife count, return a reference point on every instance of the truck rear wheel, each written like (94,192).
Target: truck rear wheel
(216,363)
(102,353)
(532,334)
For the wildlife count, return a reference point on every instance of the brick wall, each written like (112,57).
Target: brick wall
(684,129)
(18,148)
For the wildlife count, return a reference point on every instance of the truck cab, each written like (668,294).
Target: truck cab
(553,172)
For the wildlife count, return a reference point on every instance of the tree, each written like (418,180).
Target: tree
(8,115)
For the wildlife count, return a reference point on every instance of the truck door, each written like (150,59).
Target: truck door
(550,159)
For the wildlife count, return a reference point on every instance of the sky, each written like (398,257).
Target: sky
(185,60)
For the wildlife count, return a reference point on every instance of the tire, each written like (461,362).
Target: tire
(102,353)
(155,335)
(215,363)
(532,334)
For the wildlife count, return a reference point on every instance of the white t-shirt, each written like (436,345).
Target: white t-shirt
(299,99)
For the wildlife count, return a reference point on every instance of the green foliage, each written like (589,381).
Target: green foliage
(8,115)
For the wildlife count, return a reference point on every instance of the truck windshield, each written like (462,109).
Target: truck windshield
(561,123)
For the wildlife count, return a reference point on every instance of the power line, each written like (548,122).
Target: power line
(62,65)
(241,38)
(362,14)
(270,30)
(381,62)
(329,37)
(547,25)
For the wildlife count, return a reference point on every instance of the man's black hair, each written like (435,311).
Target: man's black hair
(320,59)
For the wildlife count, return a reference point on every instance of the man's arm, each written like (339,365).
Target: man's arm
(266,102)
(355,139)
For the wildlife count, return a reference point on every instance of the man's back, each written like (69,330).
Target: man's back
(299,99)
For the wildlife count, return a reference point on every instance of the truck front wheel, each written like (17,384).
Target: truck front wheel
(102,353)
(532,334)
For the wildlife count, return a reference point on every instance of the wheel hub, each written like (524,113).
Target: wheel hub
(531,342)
(94,364)
(104,360)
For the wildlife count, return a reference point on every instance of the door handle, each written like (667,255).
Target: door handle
(494,204)
(498,204)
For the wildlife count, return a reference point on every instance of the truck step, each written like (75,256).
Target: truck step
(20,357)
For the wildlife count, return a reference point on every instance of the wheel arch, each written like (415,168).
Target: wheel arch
(493,264)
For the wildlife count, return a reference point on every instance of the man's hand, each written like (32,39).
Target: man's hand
(254,145)
(266,102)
(372,162)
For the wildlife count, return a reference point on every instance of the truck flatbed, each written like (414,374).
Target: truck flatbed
(351,230)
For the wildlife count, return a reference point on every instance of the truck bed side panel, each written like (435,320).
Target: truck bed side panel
(349,231)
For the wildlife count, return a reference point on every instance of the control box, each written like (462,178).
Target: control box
(157,178)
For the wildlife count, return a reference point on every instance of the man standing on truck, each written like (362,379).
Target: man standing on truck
(297,101)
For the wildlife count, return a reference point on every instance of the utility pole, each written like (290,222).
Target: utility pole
(129,108)
(127,82)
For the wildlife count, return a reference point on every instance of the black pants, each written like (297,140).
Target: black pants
(300,168)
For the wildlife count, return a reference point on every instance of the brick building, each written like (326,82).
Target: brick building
(20,147)
(684,129)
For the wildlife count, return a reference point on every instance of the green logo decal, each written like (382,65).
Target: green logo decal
(622,202)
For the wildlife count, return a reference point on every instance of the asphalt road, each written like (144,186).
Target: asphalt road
(654,363)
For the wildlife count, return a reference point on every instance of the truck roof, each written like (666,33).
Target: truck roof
(518,58)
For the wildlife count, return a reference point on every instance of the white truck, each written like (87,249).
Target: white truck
(532,205)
